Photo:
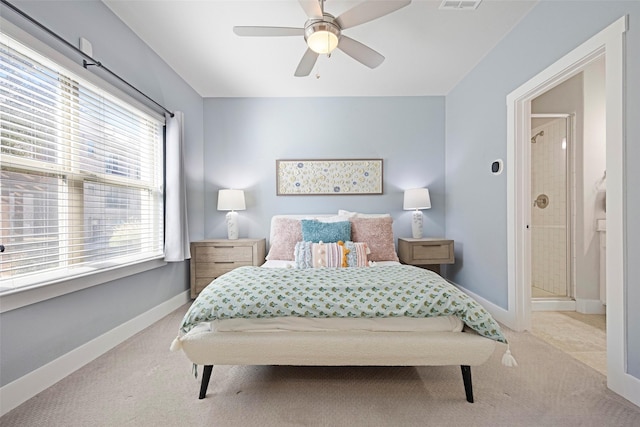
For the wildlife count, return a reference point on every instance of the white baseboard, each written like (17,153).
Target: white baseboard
(586,306)
(590,306)
(500,314)
(553,305)
(24,388)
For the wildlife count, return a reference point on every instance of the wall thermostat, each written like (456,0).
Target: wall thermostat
(496,167)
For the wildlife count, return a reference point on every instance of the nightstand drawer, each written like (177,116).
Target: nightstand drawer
(224,254)
(215,269)
(200,284)
(433,254)
(426,251)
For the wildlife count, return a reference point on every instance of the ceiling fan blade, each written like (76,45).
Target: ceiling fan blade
(368,11)
(268,31)
(361,53)
(306,63)
(312,8)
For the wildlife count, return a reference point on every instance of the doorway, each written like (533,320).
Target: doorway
(558,317)
(610,43)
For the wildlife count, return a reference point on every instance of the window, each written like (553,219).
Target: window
(80,174)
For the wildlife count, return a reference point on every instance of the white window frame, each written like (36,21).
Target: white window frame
(58,286)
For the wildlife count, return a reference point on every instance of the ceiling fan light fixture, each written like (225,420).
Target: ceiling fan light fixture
(322,37)
(323,31)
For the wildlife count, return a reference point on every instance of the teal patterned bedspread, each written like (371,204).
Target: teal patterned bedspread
(380,291)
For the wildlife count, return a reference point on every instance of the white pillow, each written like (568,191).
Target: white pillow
(334,218)
(349,214)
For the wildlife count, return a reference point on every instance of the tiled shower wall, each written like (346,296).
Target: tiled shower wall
(549,225)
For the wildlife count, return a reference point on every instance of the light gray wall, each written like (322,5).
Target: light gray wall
(35,335)
(476,134)
(245,136)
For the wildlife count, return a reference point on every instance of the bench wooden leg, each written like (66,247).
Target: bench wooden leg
(206,375)
(466,377)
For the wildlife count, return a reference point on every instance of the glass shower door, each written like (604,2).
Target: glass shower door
(550,219)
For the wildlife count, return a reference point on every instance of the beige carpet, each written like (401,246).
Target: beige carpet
(140,383)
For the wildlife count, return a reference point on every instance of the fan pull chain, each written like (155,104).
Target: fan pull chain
(318,67)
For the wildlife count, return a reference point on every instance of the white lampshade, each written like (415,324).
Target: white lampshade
(231,200)
(417,198)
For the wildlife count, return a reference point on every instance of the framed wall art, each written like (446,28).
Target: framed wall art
(328,177)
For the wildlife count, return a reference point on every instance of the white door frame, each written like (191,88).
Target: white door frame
(610,43)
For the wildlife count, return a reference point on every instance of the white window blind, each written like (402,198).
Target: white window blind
(81,174)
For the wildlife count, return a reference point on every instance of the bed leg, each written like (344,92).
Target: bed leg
(466,377)
(206,375)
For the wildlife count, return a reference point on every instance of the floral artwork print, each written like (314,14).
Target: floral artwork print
(327,177)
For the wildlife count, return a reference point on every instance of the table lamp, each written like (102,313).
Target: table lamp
(416,199)
(231,200)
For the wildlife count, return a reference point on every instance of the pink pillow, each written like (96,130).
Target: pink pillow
(285,233)
(377,233)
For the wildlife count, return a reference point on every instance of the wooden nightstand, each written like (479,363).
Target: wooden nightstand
(426,252)
(213,257)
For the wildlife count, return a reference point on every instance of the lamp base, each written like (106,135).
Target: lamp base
(416,224)
(232,225)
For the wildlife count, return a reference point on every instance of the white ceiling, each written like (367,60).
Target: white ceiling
(427,50)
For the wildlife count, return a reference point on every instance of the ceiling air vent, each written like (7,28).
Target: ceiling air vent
(460,4)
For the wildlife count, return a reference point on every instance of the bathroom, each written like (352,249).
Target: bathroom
(568,194)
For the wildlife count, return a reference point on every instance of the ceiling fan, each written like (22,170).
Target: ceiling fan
(323,32)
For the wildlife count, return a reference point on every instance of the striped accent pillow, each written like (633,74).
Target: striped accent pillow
(340,254)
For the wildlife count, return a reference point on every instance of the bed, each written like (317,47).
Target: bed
(332,293)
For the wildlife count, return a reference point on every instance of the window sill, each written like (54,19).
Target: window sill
(21,297)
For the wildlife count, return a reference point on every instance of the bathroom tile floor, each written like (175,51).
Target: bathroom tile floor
(582,336)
